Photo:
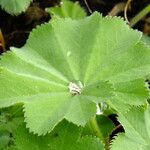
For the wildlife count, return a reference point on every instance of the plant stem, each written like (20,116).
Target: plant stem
(96,129)
(126,9)
(140,15)
(98,132)
(89,9)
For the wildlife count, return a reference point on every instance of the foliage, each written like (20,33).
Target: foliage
(66,69)
(65,136)
(136,123)
(67,9)
(15,7)
(146,39)
(10,119)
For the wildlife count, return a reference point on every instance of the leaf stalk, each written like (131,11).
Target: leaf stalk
(140,15)
(98,132)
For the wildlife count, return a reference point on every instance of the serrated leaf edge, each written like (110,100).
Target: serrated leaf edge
(19,12)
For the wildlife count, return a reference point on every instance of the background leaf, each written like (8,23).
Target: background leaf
(67,9)
(66,136)
(15,7)
(136,136)
(10,119)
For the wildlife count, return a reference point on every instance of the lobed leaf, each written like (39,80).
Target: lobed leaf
(65,69)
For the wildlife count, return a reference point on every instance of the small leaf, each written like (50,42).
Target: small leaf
(67,9)
(136,124)
(15,7)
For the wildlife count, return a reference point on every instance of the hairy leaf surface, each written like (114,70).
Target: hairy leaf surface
(66,136)
(134,92)
(136,123)
(67,66)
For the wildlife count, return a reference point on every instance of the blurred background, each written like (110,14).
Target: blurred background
(15,29)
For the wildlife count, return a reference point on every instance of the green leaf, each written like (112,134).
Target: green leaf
(66,136)
(10,119)
(65,69)
(68,9)
(11,148)
(136,124)
(129,93)
(146,39)
(15,7)
(147,120)
(64,139)
(26,141)
(53,108)
(4,140)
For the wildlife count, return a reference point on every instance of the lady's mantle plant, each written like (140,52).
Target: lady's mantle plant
(65,69)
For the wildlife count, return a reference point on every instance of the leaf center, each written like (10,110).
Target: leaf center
(75,88)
